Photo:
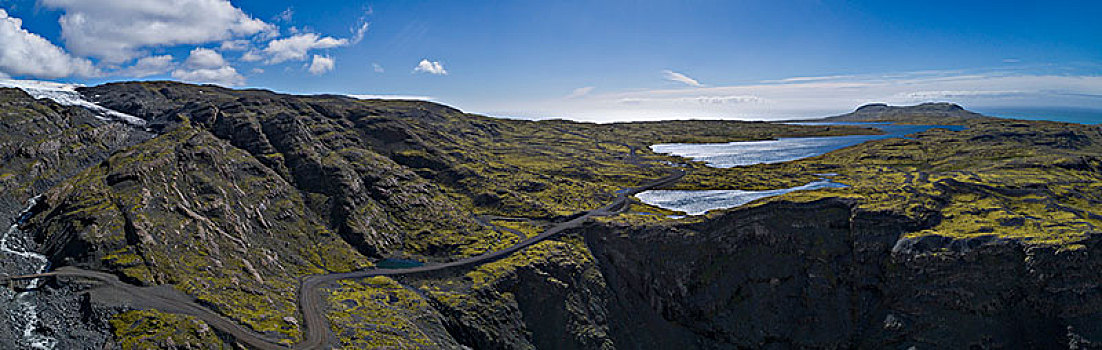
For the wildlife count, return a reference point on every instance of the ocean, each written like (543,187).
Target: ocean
(1070,115)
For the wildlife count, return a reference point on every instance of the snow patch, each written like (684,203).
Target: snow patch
(66,94)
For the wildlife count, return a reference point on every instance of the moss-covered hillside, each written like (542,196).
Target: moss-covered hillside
(42,143)
(234,196)
(1037,182)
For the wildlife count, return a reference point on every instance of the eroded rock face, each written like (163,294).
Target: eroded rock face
(41,144)
(243,192)
(188,209)
(765,276)
(320,144)
(821,275)
(1001,293)
(44,143)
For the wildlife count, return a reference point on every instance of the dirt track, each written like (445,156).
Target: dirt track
(316,335)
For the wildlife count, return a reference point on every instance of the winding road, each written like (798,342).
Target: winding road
(317,333)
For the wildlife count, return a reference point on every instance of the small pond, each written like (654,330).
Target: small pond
(700,202)
(397,263)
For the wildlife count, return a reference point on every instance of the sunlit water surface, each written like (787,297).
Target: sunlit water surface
(732,154)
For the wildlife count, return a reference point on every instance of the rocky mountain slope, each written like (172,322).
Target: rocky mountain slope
(233,196)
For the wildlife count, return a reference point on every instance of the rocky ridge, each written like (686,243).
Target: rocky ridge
(241,192)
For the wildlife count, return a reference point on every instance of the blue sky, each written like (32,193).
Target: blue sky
(591,60)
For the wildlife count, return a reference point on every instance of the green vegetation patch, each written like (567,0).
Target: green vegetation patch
(147,329)
(379,313)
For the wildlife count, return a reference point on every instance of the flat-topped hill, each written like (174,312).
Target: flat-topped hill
(934,113)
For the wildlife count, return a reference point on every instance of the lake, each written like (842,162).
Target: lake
(732,154)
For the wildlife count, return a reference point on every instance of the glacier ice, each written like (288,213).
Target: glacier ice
(66,94)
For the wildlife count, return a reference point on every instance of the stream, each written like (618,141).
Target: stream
(20,304)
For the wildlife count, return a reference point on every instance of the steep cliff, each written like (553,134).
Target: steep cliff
(826,274)
(985,237)
(980,238)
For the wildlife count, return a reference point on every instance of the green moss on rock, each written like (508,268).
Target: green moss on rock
(146,329)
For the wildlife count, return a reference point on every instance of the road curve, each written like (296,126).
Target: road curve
(316,335)
(166,300)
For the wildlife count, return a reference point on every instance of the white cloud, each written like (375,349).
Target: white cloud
(287,15)
(680,78)
(296,47)
(579,92)
(251,56)
(944,94)
(151,65)
(208,66)
(377,68)
(321,65)
(704,100)
(23,53)
(431,67)
(359,33)
(269,33)
(807,79)
(718,100)
(225,75)
(258,71)
(234,45)
(118,30)
(204,58)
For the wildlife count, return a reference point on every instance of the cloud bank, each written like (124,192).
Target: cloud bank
(118,30)
(119,38)
(810,97)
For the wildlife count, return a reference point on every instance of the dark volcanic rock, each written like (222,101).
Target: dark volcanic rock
(750,278)
(321,144)
(41,144)
(44,142)
(243,192)
(836,278)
